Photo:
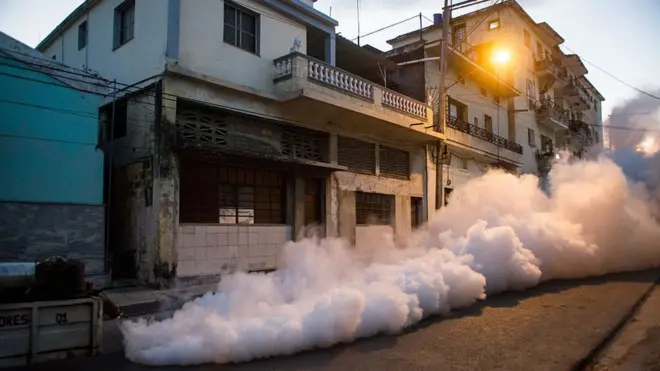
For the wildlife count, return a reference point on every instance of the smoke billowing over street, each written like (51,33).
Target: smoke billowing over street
(500,232)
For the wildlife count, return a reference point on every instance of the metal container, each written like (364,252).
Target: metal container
(49,330)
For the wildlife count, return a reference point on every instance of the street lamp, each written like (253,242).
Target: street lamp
(501,57)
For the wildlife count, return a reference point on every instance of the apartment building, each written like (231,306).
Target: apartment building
(513,115)
(237,124)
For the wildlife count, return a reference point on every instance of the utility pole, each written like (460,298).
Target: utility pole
(442,122)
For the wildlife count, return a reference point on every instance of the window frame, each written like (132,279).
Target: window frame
(461,163)
(237,28)
(120,27)
(386,201)
(83,36)
(527,39)
(531,137)
(494,21)
(223,188)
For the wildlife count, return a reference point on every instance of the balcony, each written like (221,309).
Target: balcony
(301,76)
(551,115)
(575,95)
(464,134)
(550,71)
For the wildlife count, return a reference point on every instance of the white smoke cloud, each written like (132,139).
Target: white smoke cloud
(500,232)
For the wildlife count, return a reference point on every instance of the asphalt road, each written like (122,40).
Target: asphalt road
(552,327)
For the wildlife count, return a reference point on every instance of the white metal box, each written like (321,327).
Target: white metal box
(39,331)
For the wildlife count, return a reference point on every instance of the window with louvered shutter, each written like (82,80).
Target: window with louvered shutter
(394,163)
(357,155)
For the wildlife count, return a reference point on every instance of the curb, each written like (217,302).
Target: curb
(592,357)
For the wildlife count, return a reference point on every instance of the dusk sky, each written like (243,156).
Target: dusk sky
(617,36)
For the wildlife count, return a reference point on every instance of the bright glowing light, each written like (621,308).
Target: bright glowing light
(648,146)
(501,57)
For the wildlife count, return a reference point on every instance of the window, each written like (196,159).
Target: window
(416,206)
(460,78)
(241,28)
(483,91)
(528,39)
(476,121)
(496,99)
(530,94)
(493,25)
(373,208)
(124,23)
(211,193)
(531,137)
(596,137)
(539,50)
(459,34)
(461,162)
(488,123)
(82,35)
(546,143)
(448,192)
(114,120)
(393,162)
(357,155)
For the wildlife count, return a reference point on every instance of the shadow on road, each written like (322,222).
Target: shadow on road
(318,358)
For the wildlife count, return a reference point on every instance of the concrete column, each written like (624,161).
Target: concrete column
(331,207)
(333,149)
(429,197)
(298,207)
(166,195)
(346,217)
(330,52)
(402,215)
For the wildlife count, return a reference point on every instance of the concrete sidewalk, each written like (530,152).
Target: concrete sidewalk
(637,346)
(140,301)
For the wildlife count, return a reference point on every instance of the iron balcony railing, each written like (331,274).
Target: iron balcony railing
(547,108)
(481,133)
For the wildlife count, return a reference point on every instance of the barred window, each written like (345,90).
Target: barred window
(416,207)
(227,195)
(357,155)
(394,163)
(373,208)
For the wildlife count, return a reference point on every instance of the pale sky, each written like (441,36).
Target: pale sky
(618,36)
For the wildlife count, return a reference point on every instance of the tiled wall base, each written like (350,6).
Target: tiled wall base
(218,249)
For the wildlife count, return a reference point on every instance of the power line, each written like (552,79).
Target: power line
(614,77)
(384,28)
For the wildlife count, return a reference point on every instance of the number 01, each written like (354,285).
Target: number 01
(60,318)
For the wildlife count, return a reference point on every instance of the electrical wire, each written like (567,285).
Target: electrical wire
(614,77)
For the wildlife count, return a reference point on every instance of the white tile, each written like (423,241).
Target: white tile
(232,239)
(264,236)
(200,253)
(223,252)
(271,262)
(244,251)
(211,239)
(185,269)
(243,239)
(187,240)
(212,266)
(200,229)
(255,250)
(200,240)
(256,263)
(228,265)
(213,253)
(222,239)
(242,264)
(199,267)
(233,251)
(253,238)
(188,229)
(186,254)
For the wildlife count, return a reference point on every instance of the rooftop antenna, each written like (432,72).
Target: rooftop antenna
(330,15)
(358,21)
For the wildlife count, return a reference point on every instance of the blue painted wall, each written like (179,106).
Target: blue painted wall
(47,140)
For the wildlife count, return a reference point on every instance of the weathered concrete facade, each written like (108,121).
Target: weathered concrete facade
(32,231)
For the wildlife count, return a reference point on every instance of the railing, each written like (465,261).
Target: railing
(400,102)
(552,110)
(481,133)
(336,78)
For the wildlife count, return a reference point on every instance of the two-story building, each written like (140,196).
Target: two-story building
(240,124)
(51,178)
(521,107)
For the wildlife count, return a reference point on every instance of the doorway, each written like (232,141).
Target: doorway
(315,206)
